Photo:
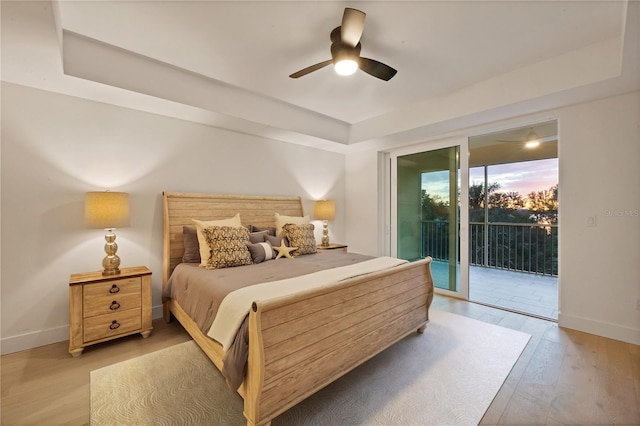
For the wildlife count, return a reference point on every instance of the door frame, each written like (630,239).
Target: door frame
(391,221)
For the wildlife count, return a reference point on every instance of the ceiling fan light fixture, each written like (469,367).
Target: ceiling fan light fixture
(345,66)
(533,141)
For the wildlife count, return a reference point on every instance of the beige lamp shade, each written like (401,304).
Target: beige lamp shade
(106,210)
(325,210)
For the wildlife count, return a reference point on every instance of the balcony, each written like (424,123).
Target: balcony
(532,294)
(512,266)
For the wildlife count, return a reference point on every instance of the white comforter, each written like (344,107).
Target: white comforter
(236,305)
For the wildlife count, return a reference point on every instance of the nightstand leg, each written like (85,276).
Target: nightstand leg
(76,352)
(146,334)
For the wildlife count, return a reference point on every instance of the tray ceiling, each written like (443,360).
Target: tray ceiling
(227,63)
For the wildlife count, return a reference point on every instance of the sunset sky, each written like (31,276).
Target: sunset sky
(523,177)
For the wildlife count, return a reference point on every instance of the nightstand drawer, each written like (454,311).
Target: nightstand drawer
(110,325)
(110,304)
(112,288)
(112,296)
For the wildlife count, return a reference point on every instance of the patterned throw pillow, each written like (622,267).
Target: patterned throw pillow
(282,220)
(301,236)
(202,240)
(228,246)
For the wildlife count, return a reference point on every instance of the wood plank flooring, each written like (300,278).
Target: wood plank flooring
(562,377)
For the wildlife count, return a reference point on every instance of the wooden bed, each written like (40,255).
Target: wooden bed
(384,307)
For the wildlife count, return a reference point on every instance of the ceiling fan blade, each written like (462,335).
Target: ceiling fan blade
(377,69)
(311,69)
(541,140)
(352,26)
(549,138)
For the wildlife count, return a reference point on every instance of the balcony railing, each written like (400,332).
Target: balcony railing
(523,247)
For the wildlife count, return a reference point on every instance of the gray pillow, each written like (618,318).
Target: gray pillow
(277,241)
(270,229)
(258,237)
(191,246)
(261,252)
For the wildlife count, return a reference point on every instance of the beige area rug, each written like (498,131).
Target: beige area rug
(447,376)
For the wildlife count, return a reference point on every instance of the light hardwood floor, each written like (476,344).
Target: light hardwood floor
(562,377)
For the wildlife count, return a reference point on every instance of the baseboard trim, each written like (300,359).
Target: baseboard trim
(34,339)
(604,329)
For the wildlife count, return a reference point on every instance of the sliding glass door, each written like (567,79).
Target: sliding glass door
(425,212)
(485,209)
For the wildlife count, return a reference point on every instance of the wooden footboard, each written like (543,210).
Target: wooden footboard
(299,345)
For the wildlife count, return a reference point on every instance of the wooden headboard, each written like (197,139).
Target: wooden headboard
(180,208)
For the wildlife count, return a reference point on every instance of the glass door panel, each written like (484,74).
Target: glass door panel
(427,212)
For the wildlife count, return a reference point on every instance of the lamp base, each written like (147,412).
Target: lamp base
(325,234)
(111,262)
(110,270)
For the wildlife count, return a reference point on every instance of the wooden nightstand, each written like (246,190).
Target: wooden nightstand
(341,247)
(103,307)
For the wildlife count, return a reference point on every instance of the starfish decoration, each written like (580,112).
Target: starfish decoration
(284,251)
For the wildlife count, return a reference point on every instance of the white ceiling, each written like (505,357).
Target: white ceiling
(227,63)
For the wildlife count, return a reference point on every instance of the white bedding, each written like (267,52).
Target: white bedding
(236,305)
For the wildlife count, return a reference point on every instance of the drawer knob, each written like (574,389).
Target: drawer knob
(114,325)
(114,289)
(114,305)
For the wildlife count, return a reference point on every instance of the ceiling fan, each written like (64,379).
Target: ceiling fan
(345,50)
(533,140)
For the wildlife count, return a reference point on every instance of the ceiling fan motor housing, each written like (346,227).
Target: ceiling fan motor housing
(341,51)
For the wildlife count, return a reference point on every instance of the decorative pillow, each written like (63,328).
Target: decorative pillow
(258,237)
(261,252)
(270,229)
(228,246)
(205,252)
(282,220)
(191,246)
(301,236)
(276,241)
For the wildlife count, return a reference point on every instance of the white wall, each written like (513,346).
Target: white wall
(599,157)
(362,207)
(55,148)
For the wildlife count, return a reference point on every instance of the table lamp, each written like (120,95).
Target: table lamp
(325,210)
(108,210)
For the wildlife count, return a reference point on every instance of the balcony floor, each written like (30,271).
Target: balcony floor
(517,291)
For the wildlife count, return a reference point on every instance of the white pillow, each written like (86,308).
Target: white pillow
(205,251)
(282,220)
